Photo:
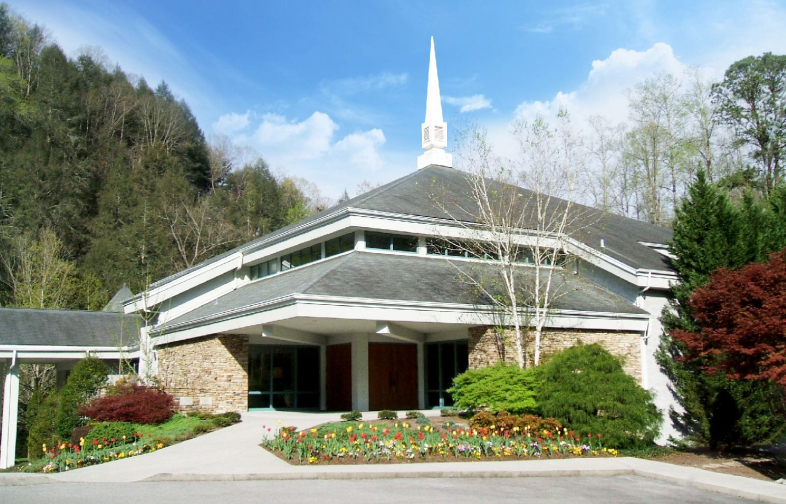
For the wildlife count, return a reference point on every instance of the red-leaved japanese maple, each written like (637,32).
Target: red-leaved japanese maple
(742,315)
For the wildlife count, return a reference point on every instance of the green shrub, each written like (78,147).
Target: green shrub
(387,414)
(203,427)
(87,376)
(496,388)
(449,412)
(585,388)
(352,416)
(221,421)
(422,420)
(41,412)
(232,416)
(107,431)
(164,440)
(412,415)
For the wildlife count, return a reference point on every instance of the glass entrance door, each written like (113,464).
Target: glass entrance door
(283,377)
(444,361)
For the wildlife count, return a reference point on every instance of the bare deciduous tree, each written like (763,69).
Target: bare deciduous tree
(522,234)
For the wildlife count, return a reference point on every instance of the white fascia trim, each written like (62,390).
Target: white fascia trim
(145,300)
(333,307)
(655,279)
(66,352)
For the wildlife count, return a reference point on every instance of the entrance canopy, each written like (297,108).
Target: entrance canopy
(56,337)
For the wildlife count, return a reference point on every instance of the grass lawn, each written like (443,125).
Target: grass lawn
(148,438)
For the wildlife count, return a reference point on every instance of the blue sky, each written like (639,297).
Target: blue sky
(335,91)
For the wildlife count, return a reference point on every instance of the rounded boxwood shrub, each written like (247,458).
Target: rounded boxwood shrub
(585,388)
(386,414)
(502,387)
(351,416)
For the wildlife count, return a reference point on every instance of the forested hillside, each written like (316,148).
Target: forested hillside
(105,180)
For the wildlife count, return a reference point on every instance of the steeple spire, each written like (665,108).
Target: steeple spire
(435,130)
(433,100)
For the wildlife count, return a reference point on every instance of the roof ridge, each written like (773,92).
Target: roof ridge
(339,262)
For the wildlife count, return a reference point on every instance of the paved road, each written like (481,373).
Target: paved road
(575,490)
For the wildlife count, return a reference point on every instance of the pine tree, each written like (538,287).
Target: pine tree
(706,237)
(710,233)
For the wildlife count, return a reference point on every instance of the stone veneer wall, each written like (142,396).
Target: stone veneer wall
(206,374)
(486,348)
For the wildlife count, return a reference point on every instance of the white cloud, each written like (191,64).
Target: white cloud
(279,138)
(468,103)
(311,149)
(361,149)
(231,123)
(605,90)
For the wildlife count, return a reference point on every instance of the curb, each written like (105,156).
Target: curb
(25,480)
(736,486)
(361,475)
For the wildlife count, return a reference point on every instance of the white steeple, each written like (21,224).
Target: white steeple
(435,130)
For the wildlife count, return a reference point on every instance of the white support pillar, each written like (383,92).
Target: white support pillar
(360,372)
(10,416)
(421,376)
(323,377)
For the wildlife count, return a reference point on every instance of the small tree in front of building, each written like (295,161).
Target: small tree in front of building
(514,228)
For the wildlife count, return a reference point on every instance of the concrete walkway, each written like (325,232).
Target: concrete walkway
(233,454)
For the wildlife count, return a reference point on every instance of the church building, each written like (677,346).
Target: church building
(363,306)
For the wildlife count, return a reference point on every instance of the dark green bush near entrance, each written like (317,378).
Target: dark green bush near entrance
(412,415)
(352,416)
(41,412)
(87,376)
(502,387)
(387,415)
(586,389)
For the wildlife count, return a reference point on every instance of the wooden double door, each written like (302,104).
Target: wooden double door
(392,376)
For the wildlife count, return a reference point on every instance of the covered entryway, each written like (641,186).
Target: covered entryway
(392,376)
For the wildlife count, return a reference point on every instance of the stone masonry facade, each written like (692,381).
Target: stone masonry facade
(206,374)
(486,348)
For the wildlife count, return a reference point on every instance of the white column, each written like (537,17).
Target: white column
(421,376)
(422,247)
(10,416)
(360,240)
(323,377)
(360,372)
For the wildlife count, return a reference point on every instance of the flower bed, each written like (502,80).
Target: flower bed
(360,442)
(67,456)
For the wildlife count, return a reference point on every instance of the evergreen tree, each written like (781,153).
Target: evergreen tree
(710,233)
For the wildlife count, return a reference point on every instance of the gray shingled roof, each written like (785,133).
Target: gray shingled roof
(395,277)
(417,193)
(116,303)
(26,326)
